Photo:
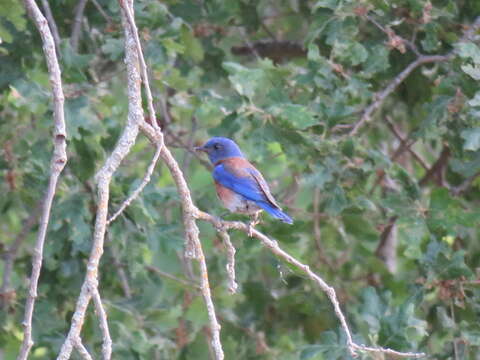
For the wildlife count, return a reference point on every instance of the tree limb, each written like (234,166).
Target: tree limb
(103,179)
(58,161)
(272,245)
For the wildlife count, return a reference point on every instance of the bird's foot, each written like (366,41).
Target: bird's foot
(250,228)
(252,223)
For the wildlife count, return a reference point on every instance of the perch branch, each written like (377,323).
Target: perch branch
(59,159)
(328,290)
(193,247)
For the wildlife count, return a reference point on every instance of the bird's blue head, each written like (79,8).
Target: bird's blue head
(220,148)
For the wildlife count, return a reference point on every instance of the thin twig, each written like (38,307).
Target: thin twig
(59,159)
(463,187)
(121,273)
(436,168)
(107,17)
(404,142)
(316,229)
(53,25)
(77,24)
(159,272)
(387,247)
(232,284)
(389,32)
(145,181)
(328,290)
(102,316)
(82,350)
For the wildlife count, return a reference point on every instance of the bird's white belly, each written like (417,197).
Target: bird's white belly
(238,204)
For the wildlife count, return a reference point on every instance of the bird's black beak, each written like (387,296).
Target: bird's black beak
(200,148)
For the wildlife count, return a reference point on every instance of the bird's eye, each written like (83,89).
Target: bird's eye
(216,146)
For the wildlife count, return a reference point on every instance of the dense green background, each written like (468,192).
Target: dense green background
(282,103)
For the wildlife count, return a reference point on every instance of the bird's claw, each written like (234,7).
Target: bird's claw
(251,225)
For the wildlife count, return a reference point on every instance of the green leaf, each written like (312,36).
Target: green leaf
(476,100)
(297,115)
(469,50)
(473,71)
(193,47)
(472,139)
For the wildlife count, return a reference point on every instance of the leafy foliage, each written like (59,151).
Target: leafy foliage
(305,73)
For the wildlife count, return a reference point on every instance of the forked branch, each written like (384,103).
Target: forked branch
(273,246)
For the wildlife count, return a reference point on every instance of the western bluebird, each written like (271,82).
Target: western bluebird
(240,187)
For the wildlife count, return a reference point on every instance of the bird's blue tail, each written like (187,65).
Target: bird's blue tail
(275,212)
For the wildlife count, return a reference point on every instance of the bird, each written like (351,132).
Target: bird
(239,185)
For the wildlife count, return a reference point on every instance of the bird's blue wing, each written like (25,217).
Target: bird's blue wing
(244,185)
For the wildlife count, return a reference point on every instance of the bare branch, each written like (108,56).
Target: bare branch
(159,272)
(328,290)
(435,169)
(103,179)
(53,25)
(145,181)
(82,350)
(59,159)
(389,32)
(102,316)
(316,229)
(463,187)
(102,12)
(77,24)
(121,273)
(380,96)
(232,284)
(143,67)
(404,142)
(387,247)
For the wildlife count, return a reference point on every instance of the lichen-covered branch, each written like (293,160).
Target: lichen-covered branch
(58,161)
(327,289)
(103,179)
